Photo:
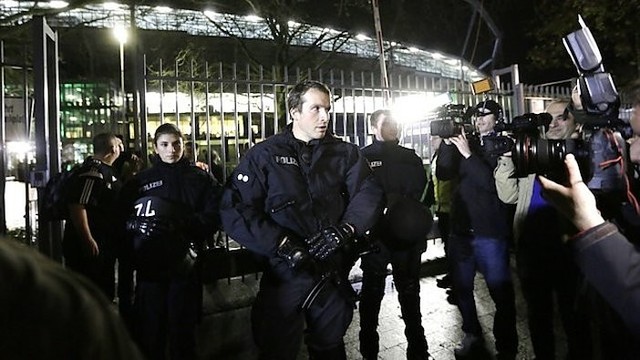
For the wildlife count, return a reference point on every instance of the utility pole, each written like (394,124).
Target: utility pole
(384,78)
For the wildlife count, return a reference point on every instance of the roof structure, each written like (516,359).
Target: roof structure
(200,23)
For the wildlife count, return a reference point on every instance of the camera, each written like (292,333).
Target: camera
(448,128)
(524,126)
(600,150)
(520,127)
(529,123)
(455,119)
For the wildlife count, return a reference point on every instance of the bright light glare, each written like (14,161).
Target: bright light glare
(111,6)
(53,4)
(362,37)
(253,18)
(212,15)
(412,108)
(9,3)
(19,147)
(58,4)
(163,9)
(293,23)
(121,34)
(437,56)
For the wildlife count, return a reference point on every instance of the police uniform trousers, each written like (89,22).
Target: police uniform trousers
(166,311)
(406,276)
(279,323)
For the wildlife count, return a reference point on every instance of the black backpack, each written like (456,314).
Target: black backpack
(55,207)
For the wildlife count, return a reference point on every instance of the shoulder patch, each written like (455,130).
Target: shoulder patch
(242,177)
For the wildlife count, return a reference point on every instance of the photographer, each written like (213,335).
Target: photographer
(609,262)
(544,269)
(479,232)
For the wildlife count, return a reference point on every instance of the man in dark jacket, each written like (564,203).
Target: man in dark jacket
(299,199)
(89,240)
(479,231)
(400,172)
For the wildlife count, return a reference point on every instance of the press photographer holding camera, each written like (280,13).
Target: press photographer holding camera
(479,232)
(598,158)
(608,260)
(544,269)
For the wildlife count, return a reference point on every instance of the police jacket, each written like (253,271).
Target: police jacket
(475,208)
(183,195)
(286,187)
(398,169)
(403,178)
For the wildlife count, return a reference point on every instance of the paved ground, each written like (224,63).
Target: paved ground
(226,336)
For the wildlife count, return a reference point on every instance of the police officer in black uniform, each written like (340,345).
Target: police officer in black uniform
(88,243)
(400,236)
(174,210)
(299,199)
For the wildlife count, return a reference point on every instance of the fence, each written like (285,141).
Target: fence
(226,108)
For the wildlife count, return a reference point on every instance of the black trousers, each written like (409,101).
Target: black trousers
(166,312)
(545,278)
(279,323)
(99,269)
(406,275)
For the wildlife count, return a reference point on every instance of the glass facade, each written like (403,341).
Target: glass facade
(87,109)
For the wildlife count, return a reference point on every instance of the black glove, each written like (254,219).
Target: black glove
(328,240)
(148,226)
(293,252)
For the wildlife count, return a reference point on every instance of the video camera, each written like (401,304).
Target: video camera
(521,127)
(455,118)
(601,148)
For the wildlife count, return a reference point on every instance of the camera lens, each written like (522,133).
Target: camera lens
(546,157)
(523,154)
(550,155)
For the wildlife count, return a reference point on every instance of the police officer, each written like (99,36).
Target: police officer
(174,207)
(89,240)
(298,199)
(403,178)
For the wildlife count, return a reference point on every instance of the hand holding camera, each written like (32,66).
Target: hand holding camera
(575,201)
(461,142)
